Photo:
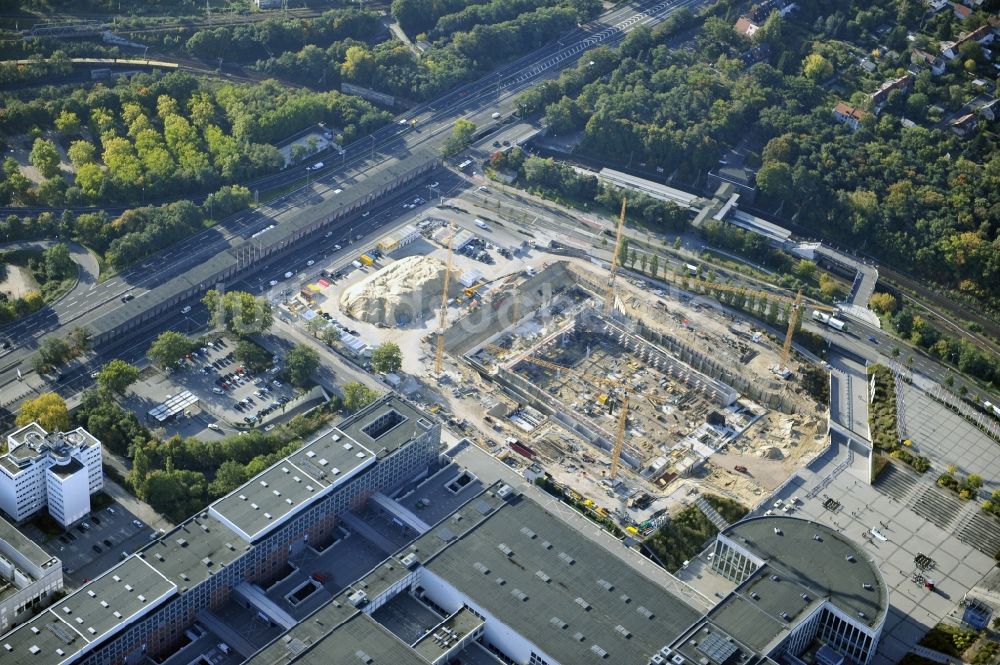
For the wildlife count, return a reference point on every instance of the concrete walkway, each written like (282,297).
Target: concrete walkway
(389,22)
(138,508)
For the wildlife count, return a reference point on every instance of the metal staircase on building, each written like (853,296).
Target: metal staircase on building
(711,513)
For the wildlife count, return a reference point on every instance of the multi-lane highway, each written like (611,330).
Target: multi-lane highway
(418,134)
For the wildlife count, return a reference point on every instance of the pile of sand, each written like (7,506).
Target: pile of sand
(399,293)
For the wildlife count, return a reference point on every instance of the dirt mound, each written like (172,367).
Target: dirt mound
(399,293)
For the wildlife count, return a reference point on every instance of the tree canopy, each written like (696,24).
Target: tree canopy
(238,312)
(387,358)
(168,348)
(48,410)
(357,395)
(300,364)
(116,376)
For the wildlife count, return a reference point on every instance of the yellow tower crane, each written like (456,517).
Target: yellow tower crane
(442,317)
(623,401)
(793,315)
(609,295)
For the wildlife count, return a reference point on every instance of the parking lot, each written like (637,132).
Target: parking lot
(95,544)
(228,393)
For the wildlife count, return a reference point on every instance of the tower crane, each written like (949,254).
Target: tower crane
(609,294)
(793,316)
(442,317)
(623,386)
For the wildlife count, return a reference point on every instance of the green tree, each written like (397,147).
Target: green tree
(167,349)
(116,376)
(52,352)
(623,252)
(828,287)
(253,356)
(387,358)
(90,178)
(817,68)
(140,470)
(230,475)
(316,325)
(228,200)
(58,262)
(654,265)
(79,339)
(45,157)
(68,124)
(48,410)
(461,136)
(300,364)
(357,396)
(883,303)
(238,312)
(805,269)
(775,180)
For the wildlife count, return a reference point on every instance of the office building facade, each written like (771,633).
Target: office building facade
(29,577)
(142,607)
(58,470)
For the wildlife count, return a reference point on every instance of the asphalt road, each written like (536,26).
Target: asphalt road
(550,220)
(428,125)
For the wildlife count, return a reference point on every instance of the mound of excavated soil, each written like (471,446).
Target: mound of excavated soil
(399,293)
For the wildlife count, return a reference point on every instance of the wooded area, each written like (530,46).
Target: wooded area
(914,193)
(155,135)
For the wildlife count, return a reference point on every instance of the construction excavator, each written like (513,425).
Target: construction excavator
(471,291)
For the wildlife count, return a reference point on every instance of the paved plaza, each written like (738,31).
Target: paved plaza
(947,438)
(847,503)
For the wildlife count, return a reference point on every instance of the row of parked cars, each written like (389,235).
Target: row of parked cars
(266,409)
(476,248)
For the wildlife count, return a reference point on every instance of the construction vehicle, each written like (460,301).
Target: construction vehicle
(367,260)
(471,291)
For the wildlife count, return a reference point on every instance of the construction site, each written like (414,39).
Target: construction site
(633,408)
(627,396)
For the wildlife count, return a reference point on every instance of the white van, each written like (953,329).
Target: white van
(496,115)
(288,274)
(480,223)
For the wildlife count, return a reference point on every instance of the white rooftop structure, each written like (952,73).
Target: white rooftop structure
(59,470)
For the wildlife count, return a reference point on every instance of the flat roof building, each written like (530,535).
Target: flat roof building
(796,582)
(232,549)
(473,574)
(59,470)
(500,573)
(29,577)
(503,575)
